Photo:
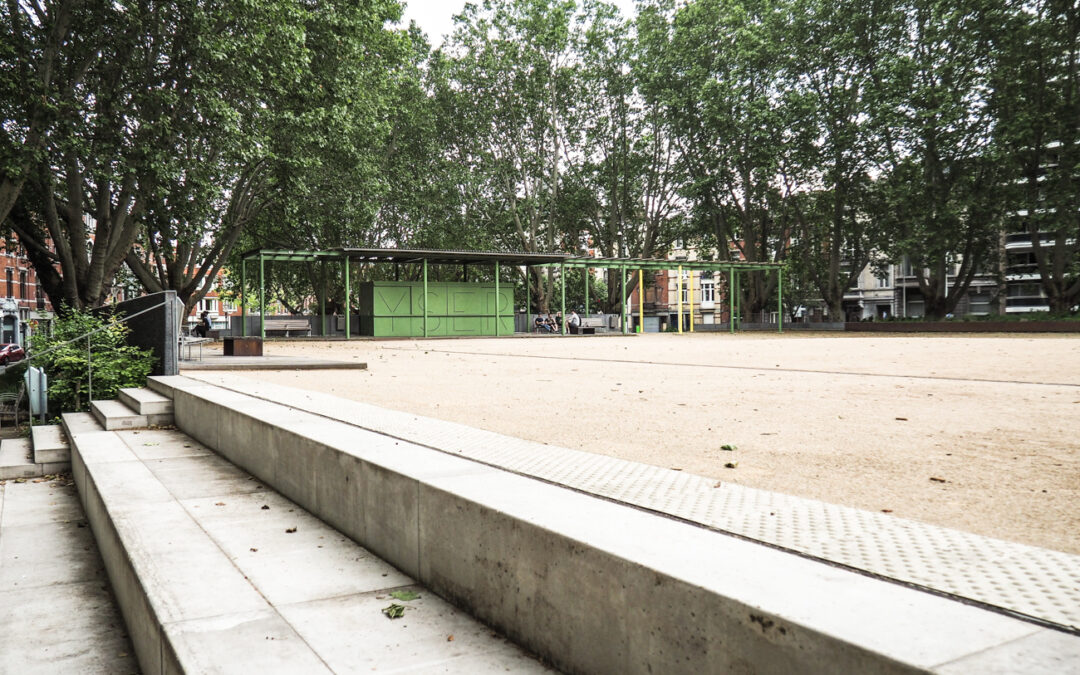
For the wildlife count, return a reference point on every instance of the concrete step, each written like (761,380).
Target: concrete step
(214,572)
(115,415)
(592,585)
(146,401)
(77,423)
(17,459)
(57,614)
(167,384)
(50,444)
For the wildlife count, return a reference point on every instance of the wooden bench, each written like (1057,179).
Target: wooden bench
(287,326)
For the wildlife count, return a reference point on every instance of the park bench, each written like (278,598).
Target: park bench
(287,326)
(590,324)
(190,342)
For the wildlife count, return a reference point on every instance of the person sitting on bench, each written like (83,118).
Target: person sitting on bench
(203,327)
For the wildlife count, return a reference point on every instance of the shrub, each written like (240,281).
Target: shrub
(72,379)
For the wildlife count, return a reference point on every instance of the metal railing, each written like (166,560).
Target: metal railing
(89,353)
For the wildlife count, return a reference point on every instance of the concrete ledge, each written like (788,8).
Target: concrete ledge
(189,610)
(591,585)
(17,461)
(50,444)
(115,415)
(146,401)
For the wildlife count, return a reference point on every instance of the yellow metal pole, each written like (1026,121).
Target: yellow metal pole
(678,292)
(640,302)
(691,301)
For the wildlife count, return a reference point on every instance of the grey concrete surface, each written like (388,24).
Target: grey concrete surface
(17,459)
(217,573)
(156,330)
(592,585)
(214,360)
(144,401)
(56,612)
(113,415)
(50,444)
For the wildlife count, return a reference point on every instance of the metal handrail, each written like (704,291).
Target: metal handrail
(89,355)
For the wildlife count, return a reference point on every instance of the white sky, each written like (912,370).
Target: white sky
(435,17)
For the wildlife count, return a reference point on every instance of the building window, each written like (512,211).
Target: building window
(883,281)
(10,283)
(24,292)
(708,290)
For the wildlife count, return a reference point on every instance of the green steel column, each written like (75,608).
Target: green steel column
(731,300)
(243,298)
(622,300)
(322,299)
(562,283)
(348,300)
(738,299)
(496,298)
(528,297)
(678,295)
(262,298)
(780,300)
(586,272)
(425,298)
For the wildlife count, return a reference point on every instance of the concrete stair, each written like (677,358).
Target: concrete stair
(146,401)
(50,444)
(215,572)
(591,585)
(113,415)
(44,453)
(17,459)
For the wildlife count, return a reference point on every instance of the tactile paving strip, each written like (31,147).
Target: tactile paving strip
(1038,583)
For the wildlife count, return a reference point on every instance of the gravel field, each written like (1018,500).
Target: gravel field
(980,433)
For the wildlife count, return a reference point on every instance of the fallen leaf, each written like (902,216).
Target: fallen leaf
(394,611)
(886,510)
(719,484)
(731,465)
(219,503)
(265,507)
(935,479)
(404,596)
(151,443)
(449,638)
(254,550)
(290,530)
(901,419)
(727,447)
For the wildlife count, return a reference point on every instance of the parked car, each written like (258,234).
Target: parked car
(11,352)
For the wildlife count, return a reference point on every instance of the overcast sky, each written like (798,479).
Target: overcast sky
(435,16)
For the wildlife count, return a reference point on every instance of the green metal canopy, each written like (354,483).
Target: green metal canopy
(347,255)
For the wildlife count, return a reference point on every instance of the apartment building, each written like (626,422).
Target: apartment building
(23,304)
(703,295)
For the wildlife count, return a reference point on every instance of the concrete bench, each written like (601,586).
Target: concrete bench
(287,326)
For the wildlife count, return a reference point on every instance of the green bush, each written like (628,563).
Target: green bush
(113,364)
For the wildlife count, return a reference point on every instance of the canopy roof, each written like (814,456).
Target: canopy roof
(405,255)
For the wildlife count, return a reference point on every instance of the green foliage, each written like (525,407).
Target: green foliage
(112,365)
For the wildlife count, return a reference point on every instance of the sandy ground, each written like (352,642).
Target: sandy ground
(976,433)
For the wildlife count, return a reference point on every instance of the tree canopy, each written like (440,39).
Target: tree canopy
(164,137)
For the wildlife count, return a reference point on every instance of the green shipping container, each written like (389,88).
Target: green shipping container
(396,309)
